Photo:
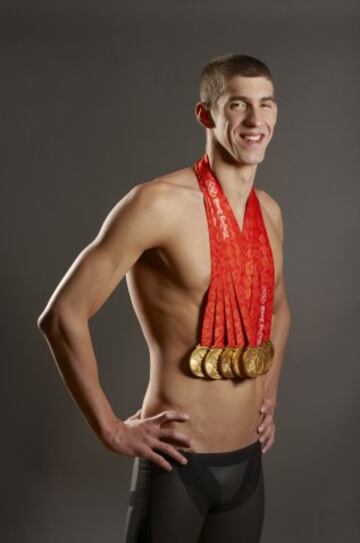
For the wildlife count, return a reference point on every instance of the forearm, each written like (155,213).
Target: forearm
(280,326)
(71,346)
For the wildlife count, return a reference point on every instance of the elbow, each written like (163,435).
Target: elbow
(45,320)
(56,319)
(51,315)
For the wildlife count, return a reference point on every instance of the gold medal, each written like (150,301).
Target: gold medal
(229,362)
(211,362)
(266,357)
(236,362)
(263,359)
(269,345)
(251,361)
(225,363)
(270,351)
(196,359)
(234,312)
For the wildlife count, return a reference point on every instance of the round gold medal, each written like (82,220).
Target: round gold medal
(196,360)
(211,362)
(270,351)
(263,356)
(251,361)
(225,363)
(236,362)
(270,348)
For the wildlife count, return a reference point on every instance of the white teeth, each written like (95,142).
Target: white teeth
(252,138)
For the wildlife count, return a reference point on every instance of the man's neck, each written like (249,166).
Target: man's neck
(236,179)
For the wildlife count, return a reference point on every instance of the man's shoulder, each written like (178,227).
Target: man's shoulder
(164,197)
(167,183)
(273,210)
(269,202)
(168,189)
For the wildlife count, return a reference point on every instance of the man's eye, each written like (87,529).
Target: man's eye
(267,104)
(234,104)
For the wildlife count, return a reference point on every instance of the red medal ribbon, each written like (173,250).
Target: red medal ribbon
(240,296)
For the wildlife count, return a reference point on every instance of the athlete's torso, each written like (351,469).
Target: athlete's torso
(167,288)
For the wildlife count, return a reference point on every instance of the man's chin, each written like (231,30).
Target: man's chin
(251,160)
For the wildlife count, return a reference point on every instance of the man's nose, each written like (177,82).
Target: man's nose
(253,117)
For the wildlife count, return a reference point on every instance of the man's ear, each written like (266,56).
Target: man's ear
(203,115)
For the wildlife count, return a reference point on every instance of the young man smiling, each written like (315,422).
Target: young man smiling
(202,252)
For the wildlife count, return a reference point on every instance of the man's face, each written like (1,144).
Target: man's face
(246,108)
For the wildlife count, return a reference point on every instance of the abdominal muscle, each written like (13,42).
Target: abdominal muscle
(224,413)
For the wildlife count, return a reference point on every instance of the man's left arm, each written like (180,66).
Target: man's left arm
(280,326)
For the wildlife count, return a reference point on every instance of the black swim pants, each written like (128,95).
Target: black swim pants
(216,497)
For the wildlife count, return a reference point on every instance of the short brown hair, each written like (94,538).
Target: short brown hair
(220,69)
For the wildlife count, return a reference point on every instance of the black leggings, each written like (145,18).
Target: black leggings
(215,497)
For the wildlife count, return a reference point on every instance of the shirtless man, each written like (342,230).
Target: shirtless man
(196,442)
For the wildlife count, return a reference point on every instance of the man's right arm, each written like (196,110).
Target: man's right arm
(137,222)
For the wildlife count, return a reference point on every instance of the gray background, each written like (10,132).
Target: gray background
(99,96)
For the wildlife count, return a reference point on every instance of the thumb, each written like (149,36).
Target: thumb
(136,415)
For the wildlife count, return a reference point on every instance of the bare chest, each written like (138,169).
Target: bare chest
(185,261)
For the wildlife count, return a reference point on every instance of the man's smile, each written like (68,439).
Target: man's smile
(252,139)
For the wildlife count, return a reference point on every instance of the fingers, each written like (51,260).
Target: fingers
(268,406)
(268,444)
(262,418)
(267,419)
(165,448)
(266,426)
(169,450)
(267,437)
(165,416)
(136,415)
(169,433)
(159,460)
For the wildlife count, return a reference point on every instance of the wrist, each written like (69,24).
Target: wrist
(109,429)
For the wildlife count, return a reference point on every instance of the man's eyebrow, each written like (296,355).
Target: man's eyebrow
(247,99)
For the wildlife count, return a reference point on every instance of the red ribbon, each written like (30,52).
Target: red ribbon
(241,290)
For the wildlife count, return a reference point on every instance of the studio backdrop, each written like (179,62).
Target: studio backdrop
(98,96)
